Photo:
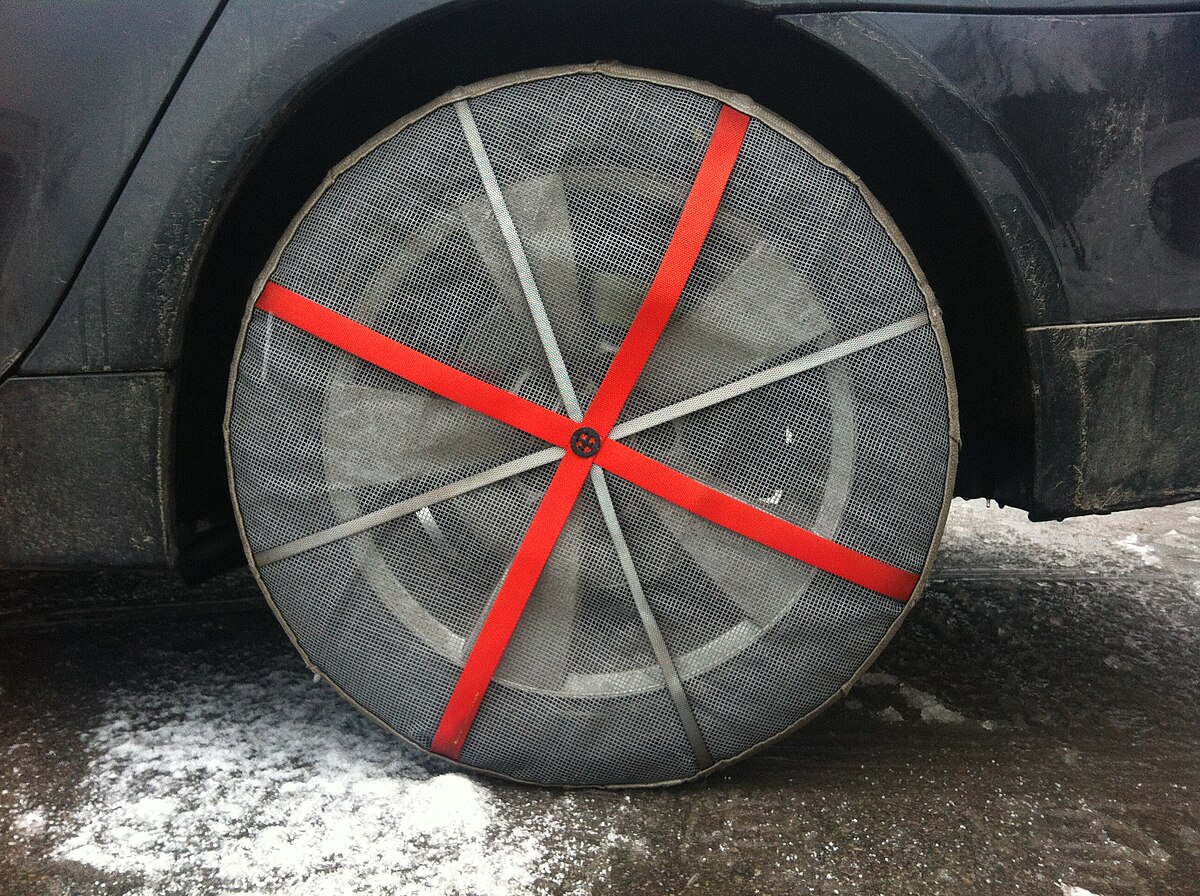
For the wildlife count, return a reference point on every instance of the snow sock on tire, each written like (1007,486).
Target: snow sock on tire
(591,426)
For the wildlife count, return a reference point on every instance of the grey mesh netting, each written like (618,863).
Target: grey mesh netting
(591,426)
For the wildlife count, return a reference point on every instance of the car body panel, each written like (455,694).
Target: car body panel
(84,483)
(66,143)
(1118,406)
(1068,236)
(1068,128)
(1098,113)
(124,312)
(1081,137)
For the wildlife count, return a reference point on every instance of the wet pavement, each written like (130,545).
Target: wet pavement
(1033,729)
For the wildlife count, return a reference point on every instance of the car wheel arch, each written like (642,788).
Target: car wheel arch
(955,241)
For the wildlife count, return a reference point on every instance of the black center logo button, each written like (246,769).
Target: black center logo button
(585,441)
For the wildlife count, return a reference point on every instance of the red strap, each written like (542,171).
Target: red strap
(510,603)
(694,223)
(394,357)
(755,524)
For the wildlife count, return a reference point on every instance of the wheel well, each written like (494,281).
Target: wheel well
(836,102)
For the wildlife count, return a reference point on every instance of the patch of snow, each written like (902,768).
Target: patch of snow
(31,823)
(992,536)
(931,709)
(1145,551)
(875,679)
(224,786)
(1068,890)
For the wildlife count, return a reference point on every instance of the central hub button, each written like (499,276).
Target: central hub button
(585,442)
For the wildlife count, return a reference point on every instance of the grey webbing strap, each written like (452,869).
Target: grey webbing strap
(768,376)
(516,251)
(657,643)
(410,505)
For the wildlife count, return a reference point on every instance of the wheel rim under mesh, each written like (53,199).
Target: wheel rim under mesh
(801,379)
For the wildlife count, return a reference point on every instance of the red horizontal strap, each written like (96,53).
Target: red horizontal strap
(394,357)
(695,221)
(755,524)
(510,603)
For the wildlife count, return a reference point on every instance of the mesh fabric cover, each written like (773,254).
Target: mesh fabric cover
(594,166)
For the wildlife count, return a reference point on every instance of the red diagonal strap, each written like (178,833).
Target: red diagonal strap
(694,223)
(755,524)
(510,603)
(395,357)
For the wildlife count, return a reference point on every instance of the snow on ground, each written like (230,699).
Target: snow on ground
(930,709)
(31,823)
(987,543)
(1068,890)
(246,777)
(230,786)
(982,533)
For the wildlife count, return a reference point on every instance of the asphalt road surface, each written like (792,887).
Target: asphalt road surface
(1033,730)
